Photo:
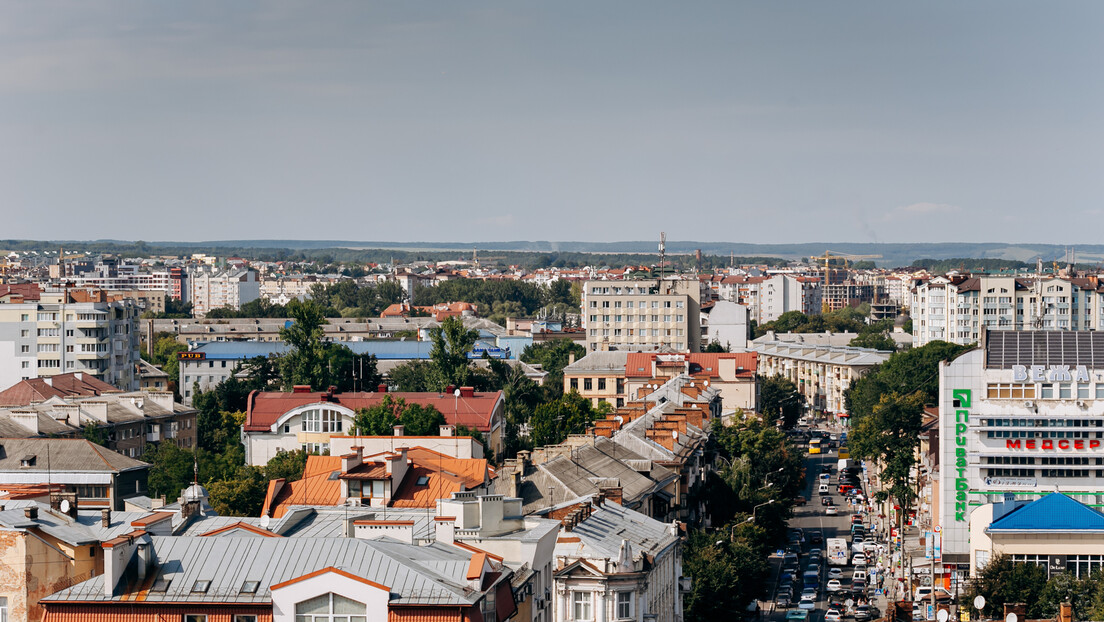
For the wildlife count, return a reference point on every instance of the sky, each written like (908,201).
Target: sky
(442,121)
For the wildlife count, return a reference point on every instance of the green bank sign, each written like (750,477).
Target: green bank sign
(961,404)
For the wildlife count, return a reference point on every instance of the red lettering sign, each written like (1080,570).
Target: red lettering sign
(1012,444)
(1063,444)
(1094,444)
(1048,444)
(1030,444)
(1078,444)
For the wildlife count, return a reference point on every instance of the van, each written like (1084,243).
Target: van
(858,574)
(823,488)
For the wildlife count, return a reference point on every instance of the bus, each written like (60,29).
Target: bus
(844,452)
(814,445)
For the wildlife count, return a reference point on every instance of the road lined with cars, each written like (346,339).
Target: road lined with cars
(823,572)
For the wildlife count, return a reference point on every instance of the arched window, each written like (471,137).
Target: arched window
(321,420)
(331,608)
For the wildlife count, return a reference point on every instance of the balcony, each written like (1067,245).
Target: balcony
(153,437)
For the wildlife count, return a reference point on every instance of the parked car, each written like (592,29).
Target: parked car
(816,539)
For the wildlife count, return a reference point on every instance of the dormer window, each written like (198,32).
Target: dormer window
(27,461)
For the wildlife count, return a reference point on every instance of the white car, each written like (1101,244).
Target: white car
(807,602)
(834,585)
(831,510)
(858,560)
(832,616)
(835,572)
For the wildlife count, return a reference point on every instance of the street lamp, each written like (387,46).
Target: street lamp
(752,519)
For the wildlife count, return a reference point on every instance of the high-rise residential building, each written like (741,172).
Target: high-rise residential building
(642,314)
(214,289)
(957,308)
(786,292)
(53,332)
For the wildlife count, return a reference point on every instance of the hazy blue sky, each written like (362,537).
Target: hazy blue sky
(469,121)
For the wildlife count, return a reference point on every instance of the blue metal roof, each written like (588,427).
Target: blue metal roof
(382,349)
(1054,512)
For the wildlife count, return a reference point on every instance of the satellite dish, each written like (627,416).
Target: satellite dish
(65,506)
(1011,618)
(456,392)
(979,602)
(942,615)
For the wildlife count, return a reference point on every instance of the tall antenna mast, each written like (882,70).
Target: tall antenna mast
(662,251)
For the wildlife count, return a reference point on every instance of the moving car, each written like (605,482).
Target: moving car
(826,501)
(832,615)
(807,602)
(782,601)
(862,612)
(834,585)
(858,560)
(816,539)
(797,615)
(831,511)
(835,572)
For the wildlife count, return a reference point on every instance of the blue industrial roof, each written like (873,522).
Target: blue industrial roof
(1054,512)
(383,349)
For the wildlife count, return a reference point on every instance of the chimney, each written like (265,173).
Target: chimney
(105,518)
(571,358)
(399,430)
(1065,612)
(611,493)
(144,561)
(97,410)
(382,388)
(447,430)
(467,391)
(31,512)
(450,389)
(352,460)
(27,419)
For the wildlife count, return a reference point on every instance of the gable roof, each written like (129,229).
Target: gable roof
(1054,512)
(65,454)
(474,410)
(78,384)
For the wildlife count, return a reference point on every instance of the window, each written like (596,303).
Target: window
(601,384)
(195,617)
(369,489)
(575,384)
(331,608)
(321,420)
(624,605)
(244,618)
(1015,391)
(587,384)
(487,606)
(249,587)
(580,605)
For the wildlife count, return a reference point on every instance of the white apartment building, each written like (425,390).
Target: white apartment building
(55,335)
(822,373)
(957,308)
(213,289)
(642,315)
(279,290)
(785,292)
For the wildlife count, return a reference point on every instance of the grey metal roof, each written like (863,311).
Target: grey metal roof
(86,528)
(73,455)
(434,574)
(602,532)
(613,361)
(828,355)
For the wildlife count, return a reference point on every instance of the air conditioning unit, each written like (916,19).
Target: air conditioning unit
(1029,404)
(1081,404)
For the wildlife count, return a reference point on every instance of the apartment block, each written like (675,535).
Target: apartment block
(957,308)
(214,289)
(52,332)
(642,315)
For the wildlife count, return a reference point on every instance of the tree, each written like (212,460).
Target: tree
(553,356)
(306,363)
(1003,581)
(891,434)
(553,421)
(422,420)
(416,419)
(451,344)
(416,376)
(715,346)
(877,341)
(728,575)
(94,433)
(780,399)
(905,372)
(171,469)
(287,465)
(240,495)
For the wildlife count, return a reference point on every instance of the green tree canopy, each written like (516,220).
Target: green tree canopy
(452,342)
(553,356)
(553,421)
(288,465)
(780,399)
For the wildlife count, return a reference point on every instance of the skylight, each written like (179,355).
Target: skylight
(201,586)
(423,480)
(249,587)
(161,585)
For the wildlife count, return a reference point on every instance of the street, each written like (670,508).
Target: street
(811,519)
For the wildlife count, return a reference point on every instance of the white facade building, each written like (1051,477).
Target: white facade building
(214,289)
(957,308)
(53,335)
(1021,416)
(642,315)
(785,292)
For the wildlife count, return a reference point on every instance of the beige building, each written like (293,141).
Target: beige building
(642,315)
(215,289)
(822,373)
(599,377)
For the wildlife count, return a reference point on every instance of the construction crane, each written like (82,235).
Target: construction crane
(828,256)
(475,257)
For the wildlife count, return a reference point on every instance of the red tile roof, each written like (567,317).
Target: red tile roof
(78,384)
(639,364)
(473,411)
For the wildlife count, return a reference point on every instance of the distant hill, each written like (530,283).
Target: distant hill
(893,255)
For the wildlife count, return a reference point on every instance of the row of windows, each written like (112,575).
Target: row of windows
(655,332)
(637,318)
(1048,460)
(1044,423)
(322,420)
(1053,473)
(1046,391)
(642,304)
(1037,434)
(588,384)
(582,605)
